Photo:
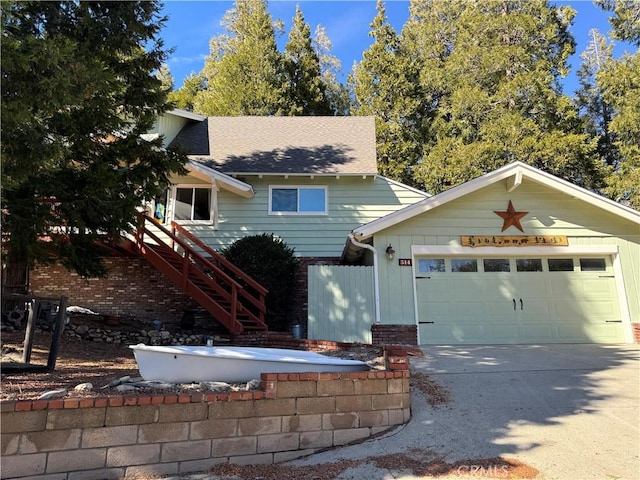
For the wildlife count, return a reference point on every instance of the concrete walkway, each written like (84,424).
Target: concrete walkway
(569,411)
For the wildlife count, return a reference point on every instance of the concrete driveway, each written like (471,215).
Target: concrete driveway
(570,411)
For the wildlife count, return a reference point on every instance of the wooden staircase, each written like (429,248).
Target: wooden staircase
(233,298)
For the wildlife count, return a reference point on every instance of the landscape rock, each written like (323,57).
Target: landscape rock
(53,394)
(253,384)
(216,386)
(125,388)
(83,387)
(82,329)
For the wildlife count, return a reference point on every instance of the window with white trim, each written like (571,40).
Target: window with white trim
(193,204)
(297,200)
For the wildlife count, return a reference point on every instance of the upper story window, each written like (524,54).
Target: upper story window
(298,200)
(193,203)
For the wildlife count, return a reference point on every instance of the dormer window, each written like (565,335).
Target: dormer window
(297,200)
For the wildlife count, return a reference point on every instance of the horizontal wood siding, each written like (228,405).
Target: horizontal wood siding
(351,202)
(550,213)
(341,303)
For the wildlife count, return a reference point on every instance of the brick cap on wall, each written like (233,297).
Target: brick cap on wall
(204,397)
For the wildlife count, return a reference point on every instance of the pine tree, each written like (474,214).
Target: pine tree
(492,69)
(243,72)
(184,97)
(165,77)
(306,92)
(596,112)
(619,85)
(386,85)
(78,91)
(337,93)
(625,20)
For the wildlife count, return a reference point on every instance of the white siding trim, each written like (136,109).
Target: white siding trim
(213,207)
(458,250)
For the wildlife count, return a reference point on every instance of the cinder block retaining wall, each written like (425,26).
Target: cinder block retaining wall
(116,437)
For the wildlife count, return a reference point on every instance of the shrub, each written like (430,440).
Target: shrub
(272,263)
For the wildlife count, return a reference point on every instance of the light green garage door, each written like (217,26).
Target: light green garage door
(517,300)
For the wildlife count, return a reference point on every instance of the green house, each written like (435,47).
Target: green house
(516,256)
(307,180)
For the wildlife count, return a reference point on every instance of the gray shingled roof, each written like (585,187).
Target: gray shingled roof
(283,145)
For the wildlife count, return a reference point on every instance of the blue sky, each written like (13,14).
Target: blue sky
(192,24)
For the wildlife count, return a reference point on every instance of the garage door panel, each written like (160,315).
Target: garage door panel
(499,312)
(502,333)
(438,313)
(535,285)
(539,332)
(598,287)
(562,286)
(606,333)
(597,311)
(550,307)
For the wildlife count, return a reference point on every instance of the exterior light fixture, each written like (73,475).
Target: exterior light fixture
(390,252)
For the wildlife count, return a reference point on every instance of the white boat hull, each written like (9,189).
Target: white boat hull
(186,364)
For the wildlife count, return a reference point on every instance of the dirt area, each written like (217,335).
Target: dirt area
(99,363)
(416,462)
(78,362)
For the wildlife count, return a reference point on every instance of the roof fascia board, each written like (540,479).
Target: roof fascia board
(458,250)
(527,171)
(283,174)
(583,194)
(186,114)
(232,184)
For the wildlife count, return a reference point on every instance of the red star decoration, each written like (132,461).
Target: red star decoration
(511,217)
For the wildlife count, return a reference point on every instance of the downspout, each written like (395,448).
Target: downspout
(376,287)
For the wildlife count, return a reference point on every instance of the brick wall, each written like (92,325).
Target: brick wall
(135,288)
(116,437)
(394,334)
(131,288)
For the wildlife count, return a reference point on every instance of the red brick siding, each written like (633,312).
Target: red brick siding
(394,334)
(132,287)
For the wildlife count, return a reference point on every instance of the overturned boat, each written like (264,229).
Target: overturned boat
(186,364)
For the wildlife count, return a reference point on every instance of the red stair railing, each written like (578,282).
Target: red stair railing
(203,279)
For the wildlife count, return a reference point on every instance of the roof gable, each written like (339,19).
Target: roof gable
(283,145)
(512,175)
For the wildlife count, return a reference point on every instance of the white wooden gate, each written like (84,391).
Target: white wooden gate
(341,303)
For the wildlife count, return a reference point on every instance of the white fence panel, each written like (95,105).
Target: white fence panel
(341,303)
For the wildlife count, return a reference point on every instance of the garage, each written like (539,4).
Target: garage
(515,256)
(517,300)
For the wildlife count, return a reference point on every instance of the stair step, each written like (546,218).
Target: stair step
(211,287)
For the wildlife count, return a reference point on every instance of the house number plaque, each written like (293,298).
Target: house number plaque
(405,262)
(514,241)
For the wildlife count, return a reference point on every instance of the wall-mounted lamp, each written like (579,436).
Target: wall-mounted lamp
(390,252)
